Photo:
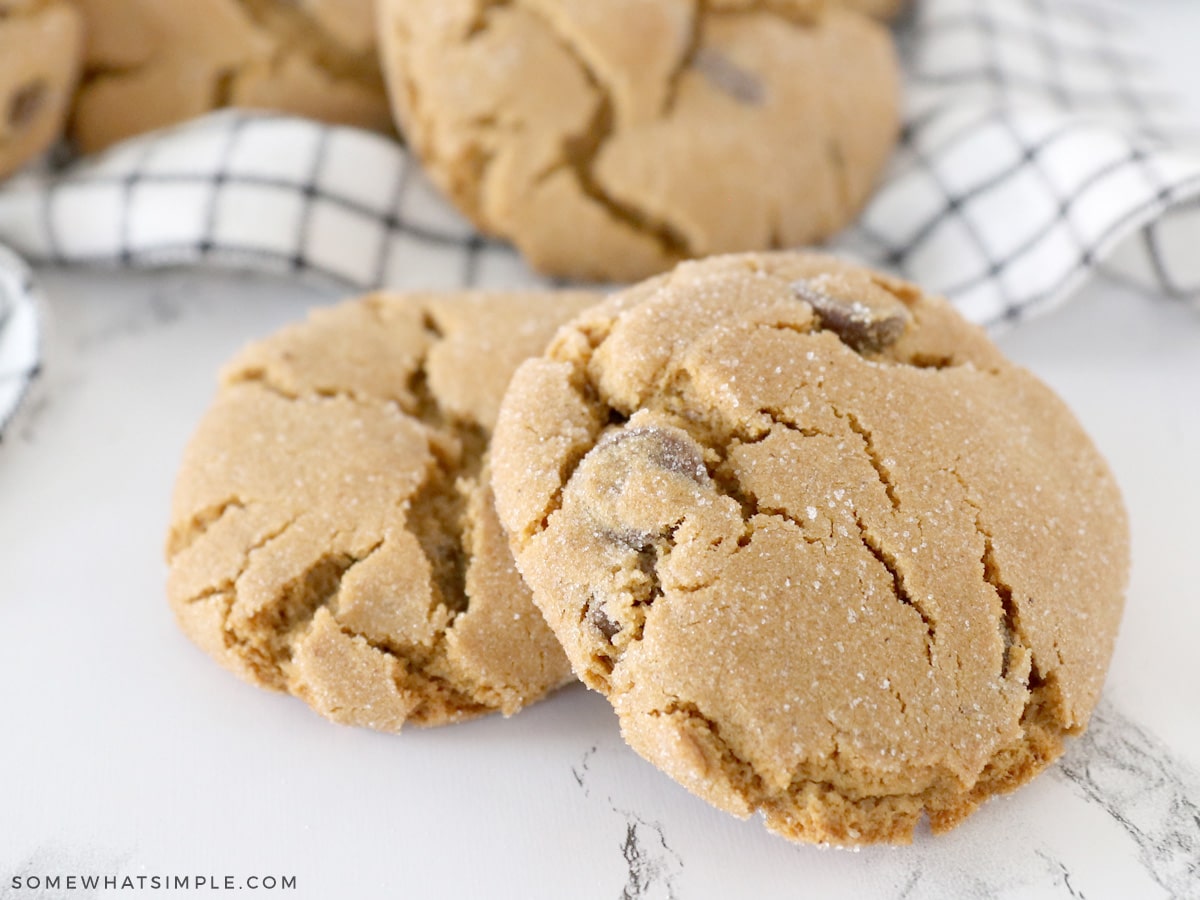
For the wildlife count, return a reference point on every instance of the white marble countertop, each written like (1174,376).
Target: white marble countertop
(127,752)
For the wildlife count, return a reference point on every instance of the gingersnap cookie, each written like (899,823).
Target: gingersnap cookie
(152,63)
(40,47)
(829,555)
(608,141)
(332,530)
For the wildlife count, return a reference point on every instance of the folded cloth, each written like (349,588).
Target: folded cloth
(1038,149)
(20,333)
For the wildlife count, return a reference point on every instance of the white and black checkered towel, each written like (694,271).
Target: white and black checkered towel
(1037,148)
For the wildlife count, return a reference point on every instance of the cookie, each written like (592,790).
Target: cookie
(152,63)
(608,141)
(332,530)
(828,554)
(885,10)
(40,47)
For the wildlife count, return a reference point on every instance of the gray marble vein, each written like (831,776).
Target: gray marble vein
(53,859)
(1154,795)
(651,863)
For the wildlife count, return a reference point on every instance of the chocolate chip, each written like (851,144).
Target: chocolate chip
(637,483)
(727,76)
(598,617)
(866,317)
(25,104)
(666,449)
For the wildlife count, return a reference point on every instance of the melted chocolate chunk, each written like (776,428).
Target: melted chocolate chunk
(664,448)
(638,481)
(865,316)
(727,76)
(25,103)
(598,617)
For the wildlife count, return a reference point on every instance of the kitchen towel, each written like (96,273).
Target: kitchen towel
(1038,148)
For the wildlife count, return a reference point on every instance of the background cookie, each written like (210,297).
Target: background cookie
(880,9)
(152,63)
(332,530)
(609,140)
(829,555)
(40,47)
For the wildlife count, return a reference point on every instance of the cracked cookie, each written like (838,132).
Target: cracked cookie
(608,141)
(333,531)
(828,554)
(153,63)
(41,42)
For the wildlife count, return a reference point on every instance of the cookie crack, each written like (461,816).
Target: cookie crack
(1009,622)
(748,437)
(729,485)
(437,517)
(745,781)
(305,38)
(877,463)
(687,59)
(788,810)
(578,452)
(889,563)
(415,678)
(644,588)
(261,377)
(183,537)
(228,584)
(580,152)
(268,637)
(437,511)
(872,543)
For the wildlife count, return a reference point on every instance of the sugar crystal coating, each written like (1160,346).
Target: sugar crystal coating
(892,591)
(333,532)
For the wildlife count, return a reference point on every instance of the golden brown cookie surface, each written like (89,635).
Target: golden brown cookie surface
(152,63)
(41,42)
(884,10)
(609,140)
(829,555)
(332,529)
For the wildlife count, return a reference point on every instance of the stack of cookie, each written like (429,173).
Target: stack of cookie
(829,555)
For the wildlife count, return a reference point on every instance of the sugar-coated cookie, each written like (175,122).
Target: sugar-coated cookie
(152,63)
(829,555)
(609,140)
(41,42)
(332,530)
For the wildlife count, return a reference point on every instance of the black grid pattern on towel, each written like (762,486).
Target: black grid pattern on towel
(151,202)
(1035,143)
(20,335)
